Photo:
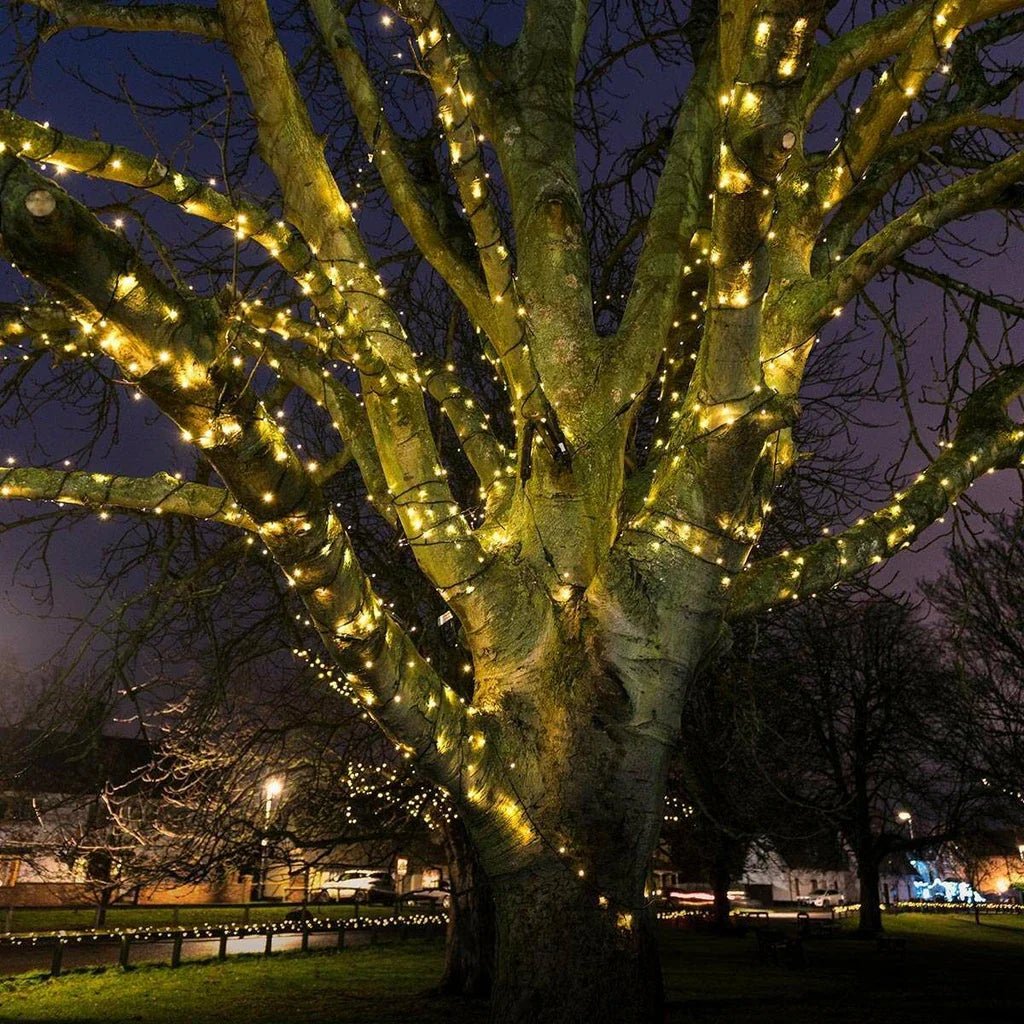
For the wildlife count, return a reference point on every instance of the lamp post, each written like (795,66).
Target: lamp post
(271,790)
(907,819)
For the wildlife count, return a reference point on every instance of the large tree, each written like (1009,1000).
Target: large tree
(652,395)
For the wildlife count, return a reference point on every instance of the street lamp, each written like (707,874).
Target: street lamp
(272,789)
(908,819)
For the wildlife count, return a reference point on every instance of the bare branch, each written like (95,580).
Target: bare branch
(986,439)
(968,195)
(389,159)
(171,347)
(879,114)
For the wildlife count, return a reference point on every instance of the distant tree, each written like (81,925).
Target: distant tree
(981,600)
(861,715)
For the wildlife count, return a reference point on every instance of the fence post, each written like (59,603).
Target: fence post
(9,918)
(305,934)
(222,949)
(58,959)
(176,916)
(176,951)
(341,935)
(126,942)
(246,914)
(267,946)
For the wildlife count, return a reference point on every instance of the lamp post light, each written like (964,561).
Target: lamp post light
(906,818)
(272,789)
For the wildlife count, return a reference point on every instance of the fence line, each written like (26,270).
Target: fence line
(175,909)
(126,938)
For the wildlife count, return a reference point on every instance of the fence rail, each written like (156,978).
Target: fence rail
(173,913)
(127,939)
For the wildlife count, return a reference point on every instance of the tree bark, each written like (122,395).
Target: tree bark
(720,878)
(567,957)
(469,947)
(870,910)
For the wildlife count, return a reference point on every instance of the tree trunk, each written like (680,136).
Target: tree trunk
(567,956)
(870,911)
(469,948)
(720,878)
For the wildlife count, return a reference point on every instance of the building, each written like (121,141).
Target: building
(54,825)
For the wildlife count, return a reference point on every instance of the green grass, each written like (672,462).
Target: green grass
(376,985)
(953,972)
(32,920)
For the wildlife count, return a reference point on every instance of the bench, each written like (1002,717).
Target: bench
(775,946)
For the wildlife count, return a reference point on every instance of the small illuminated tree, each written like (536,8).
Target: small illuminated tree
(610,541)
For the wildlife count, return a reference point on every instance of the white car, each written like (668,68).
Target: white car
(823,898)
(360,885)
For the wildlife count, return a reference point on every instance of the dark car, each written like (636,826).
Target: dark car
(437,896)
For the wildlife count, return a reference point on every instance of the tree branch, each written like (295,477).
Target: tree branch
(486,456)
(179,362)
(986,439)
(758,137)
(406,195)
(110,162)
(433,522)
(159,494)
(182,18)
(968,195)
(873,122)
(680,208)
(875,41)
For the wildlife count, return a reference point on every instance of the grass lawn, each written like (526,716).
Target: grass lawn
(375,985)
(952,972)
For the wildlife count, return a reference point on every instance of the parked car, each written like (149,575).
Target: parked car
(823,898)
(436,896)
(359,885)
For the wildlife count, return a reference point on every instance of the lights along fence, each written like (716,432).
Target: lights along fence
(264,934)
(934,907)
(87,916)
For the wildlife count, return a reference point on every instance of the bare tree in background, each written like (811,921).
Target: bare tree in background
(650,399)
(865,721)
(981,600)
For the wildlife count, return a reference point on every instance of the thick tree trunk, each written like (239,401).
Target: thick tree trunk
(568,956)
(870,910)
(469,948)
